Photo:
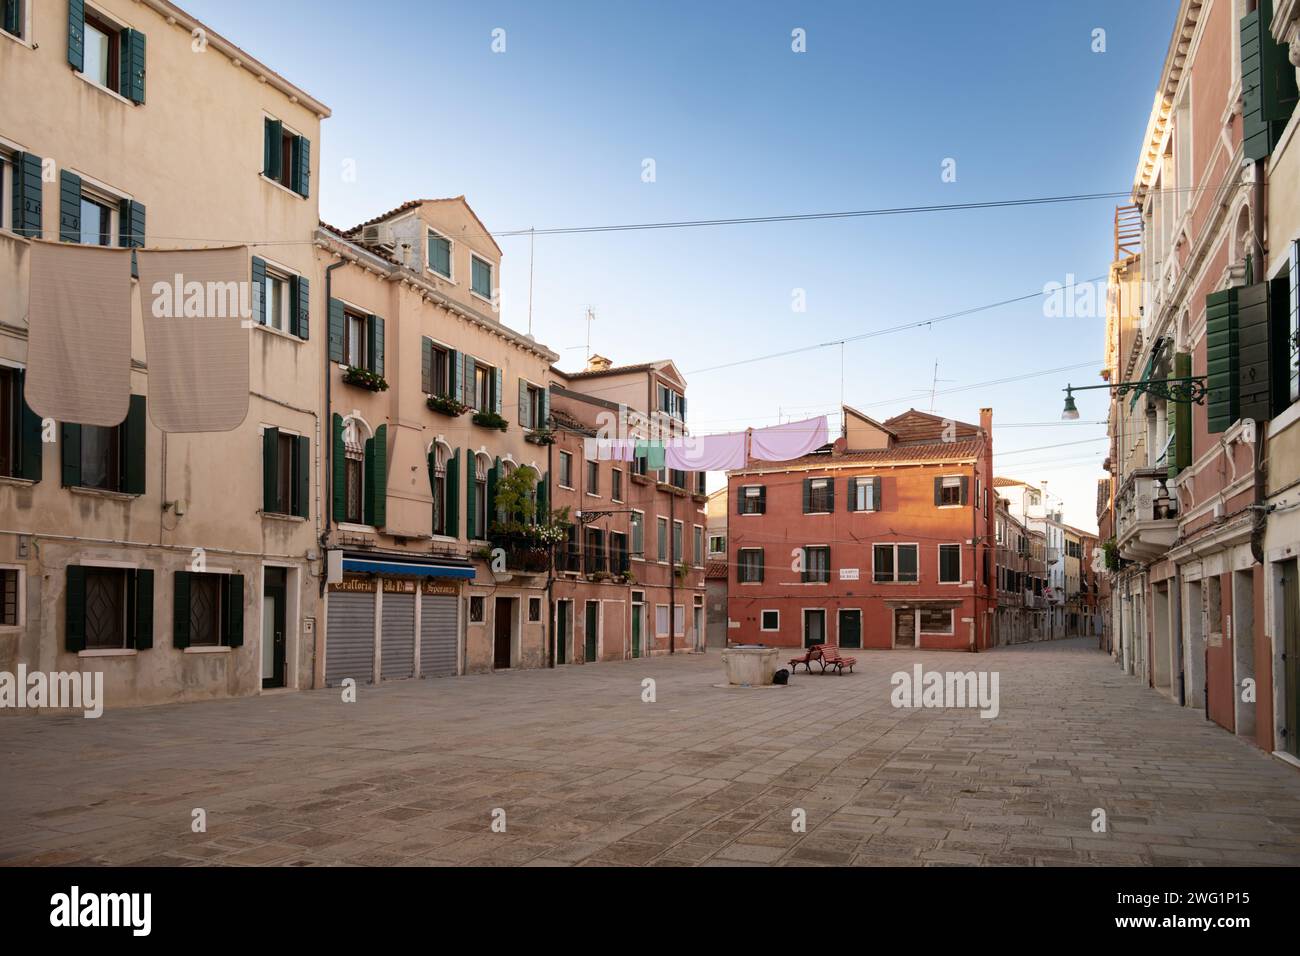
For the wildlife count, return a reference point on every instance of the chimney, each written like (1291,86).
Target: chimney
(986,421)
(598,363)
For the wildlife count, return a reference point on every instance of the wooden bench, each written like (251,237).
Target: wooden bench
(813,653)
(830,657)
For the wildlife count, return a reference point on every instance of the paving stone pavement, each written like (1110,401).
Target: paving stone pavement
(588,774)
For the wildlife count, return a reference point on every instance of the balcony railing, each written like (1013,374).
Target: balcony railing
(1146,515)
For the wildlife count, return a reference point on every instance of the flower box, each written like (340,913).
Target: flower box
(490,420)
(364,378)
(540,436)
(446,405)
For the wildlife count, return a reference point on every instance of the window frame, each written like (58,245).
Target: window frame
(760,499)
(481,616)
(743,570)
(662,549)
(566,471)
(475,258)
(808,571)
(717,537)
(828,495)
(430,234)
(943,490)
(864,488)
(952,621)
(636,526)
(591,479)
(20,597)
(616,485)
(960,562)
(762,620)
(895,572)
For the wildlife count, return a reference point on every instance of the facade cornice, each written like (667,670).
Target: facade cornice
(1189,12)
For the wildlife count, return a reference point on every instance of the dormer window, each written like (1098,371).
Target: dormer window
(481,277)
(440,255)
(107,54)
(286,157)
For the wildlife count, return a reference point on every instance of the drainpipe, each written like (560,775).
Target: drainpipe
(1261,430)
(328,426)
(672,567)
(549,638)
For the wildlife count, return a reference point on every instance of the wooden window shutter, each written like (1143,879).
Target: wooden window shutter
(451,521)
(454,370)
(762,499)
(338,481)
(1260,338)
(494,475)
(546,409)
(181,609)
(77,35)
(525,407)
(1221,309)
(471,525)
(375,345)
(232,610)
(377,478)
(543,499)
(134,446)
(1182,420)
(337,323)
(142,582)
(27,195)
(807,495)
(761,555)
(1268,85)
(272,155)
(270,470)
(301,325)
(74,628)
(70,448)
(830,494)
(302,477)
(302,166)
(30,446)
(259,290)
(965,489)
(875,494)
(497,388)
(12,21)
(938,492)
(130,224)
(69,206)
(131,60)
(426,365)
(467,383)
(851,494)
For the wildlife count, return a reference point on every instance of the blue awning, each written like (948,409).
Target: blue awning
(419,570)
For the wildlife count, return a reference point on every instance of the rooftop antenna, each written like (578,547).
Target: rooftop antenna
(591,317)
(934,383)
(532,238)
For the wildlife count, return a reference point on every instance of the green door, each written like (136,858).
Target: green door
(593,617)
(637,611)
(561,630)
(1291,642)
(850,629)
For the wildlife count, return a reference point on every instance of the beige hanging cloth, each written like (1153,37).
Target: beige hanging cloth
(79,333)
(194,304)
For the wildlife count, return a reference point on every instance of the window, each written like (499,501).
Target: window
(638,534)
(818,496)
(677,478)
(481,467)
(205,610)
(96,222)
(817,565)
(566,470)
(481,277)
(661,527)
(476,609)
(286,156)
(105,611)
(15,18)
(439,254)
(439,381)
(677,542)
(949,564)
(593,477)
(717,544)
(109,609)
(616,484)
(749,566)
(639,466)
(752,500)
(863,493)
(948,491)
(101,51)
(534,609)
(354,461)
(935,620)
(698,549)
(532,406)
(10,582)
(661,620)
(679,621)
(441,459)
(672,403)
(109,459)
(286,473)
(1292,349)
(617,552)
(894,563)
(483,388)
(770,621)
(356,344)
(20,429)
(278,301)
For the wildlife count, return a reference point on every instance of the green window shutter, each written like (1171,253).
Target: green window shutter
(12,22)
(807,495)
(965,489)
(761,564)
(302,166)
(338,483)
(850,494)
(830,494)
(270,469)
(938,492)
(336,330)
(131,60)
(494,475)
(1182,420)
(525,407)
(1258,337)
(497,387)
(77,35)
(451,523)
(1221,310)
(27,195)
(30,446)
(377,478)
(133,443)
(69,207)
(467,382)
(471,525)
(1268,85)
(74,627)
(875,494)
(70,448)
(272,152)
(143,637)
(302,477)
(302,307)
(546,409)
(543,498)
(130,224)
(232,610)
(181,609)
(426,365)
(454,371)
(375,347)
(259,290)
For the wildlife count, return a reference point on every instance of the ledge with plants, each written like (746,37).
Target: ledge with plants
(540,436)
(490,420)
(365,378)
(682,571)
(446,405)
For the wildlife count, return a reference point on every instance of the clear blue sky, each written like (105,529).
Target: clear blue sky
(553,132)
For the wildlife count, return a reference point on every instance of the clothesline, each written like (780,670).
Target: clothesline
(723,452)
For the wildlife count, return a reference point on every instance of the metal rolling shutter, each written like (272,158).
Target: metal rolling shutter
(437,635)
(397,637)
(350,638)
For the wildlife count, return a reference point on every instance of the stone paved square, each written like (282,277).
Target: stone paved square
(588,774)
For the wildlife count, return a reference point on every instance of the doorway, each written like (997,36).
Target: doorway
(590,631)
(502,632)
(850,628)
(275,594)
(1291,645)
(638,610)
(904,627)
(563,625)
(814,627)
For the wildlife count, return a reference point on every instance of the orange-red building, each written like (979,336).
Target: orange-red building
(882,539)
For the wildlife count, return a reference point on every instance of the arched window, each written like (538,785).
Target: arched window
(441,461)
(355,433)
(481,466)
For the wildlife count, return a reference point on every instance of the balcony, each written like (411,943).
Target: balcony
(1146,516)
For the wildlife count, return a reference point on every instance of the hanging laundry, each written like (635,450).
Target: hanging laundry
(652,452)
(79,333)
(194,308)
(791,440)
(707,452)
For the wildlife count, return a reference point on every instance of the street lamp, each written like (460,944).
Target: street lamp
(1185,389)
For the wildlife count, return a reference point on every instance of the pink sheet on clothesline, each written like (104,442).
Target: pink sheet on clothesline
(791,440)
(707,452)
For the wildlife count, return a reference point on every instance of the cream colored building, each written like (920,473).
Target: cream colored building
(99,527)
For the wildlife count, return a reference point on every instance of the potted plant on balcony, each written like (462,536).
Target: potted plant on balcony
(682,570)
(490,420)
(364,378)
(628,577)
(446,405)
(540,436)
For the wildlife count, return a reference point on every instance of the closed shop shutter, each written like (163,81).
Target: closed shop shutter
(397,637)
(350,638)
(437,635)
